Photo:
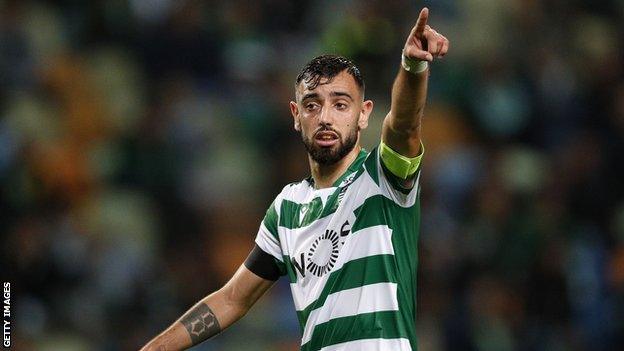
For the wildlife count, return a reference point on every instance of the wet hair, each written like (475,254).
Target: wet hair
(328,66)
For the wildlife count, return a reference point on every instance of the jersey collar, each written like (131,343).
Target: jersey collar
(354,166)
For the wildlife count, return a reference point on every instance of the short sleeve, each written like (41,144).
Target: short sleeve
(267,238)
(403,192)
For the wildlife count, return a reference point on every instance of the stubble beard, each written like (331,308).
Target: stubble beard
(327,156)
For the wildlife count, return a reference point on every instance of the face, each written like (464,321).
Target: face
(330,117)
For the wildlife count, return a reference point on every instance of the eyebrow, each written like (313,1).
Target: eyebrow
(341,93)
(333,94)
(309,96)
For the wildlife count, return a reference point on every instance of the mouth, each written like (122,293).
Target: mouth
(326,138)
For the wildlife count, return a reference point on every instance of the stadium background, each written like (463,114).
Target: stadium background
(141,142)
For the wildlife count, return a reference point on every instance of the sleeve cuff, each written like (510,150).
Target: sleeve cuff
(399,165)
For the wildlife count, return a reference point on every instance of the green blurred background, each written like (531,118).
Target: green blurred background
(141,142)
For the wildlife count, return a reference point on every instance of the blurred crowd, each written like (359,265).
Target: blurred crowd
(141,142)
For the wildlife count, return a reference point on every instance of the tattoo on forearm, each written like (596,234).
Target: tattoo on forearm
(201,323)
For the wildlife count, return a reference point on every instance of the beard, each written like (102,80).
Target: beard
(330,155)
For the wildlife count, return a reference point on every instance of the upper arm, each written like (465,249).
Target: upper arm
(402,126)
(402,136)
(401,129)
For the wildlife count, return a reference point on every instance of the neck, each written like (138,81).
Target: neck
(325,175)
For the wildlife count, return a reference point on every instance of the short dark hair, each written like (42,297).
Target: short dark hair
(328,66)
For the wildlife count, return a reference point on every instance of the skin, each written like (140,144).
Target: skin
(227,305)
(336,105)
(402,126)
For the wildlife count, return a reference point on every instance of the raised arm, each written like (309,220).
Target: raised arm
(214,313)
(401,127)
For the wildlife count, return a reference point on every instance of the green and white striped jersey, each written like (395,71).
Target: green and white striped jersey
(350,252)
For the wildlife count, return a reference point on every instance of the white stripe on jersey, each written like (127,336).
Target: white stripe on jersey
(371,241)
(371,345)
(403,200)
(365,299)
(302,192)
(268,243)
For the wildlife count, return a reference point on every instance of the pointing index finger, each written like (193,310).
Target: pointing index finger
(422,21)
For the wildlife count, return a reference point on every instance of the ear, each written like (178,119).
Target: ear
(294,110)
(367,108)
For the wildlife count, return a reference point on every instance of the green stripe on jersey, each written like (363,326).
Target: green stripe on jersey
(376,325)
(354,166)
(270,220)
(404,223)
(290,270)
(393,215)
(294,215)
(354,274)
(371,165)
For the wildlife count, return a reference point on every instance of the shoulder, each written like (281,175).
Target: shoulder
(371,164)
(295,191)
(390,186)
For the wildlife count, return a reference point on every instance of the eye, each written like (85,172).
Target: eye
(310,106)
(340,106)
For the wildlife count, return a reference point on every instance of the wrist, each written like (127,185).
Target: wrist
(413,66)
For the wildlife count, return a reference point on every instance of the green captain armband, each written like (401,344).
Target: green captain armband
(399,165)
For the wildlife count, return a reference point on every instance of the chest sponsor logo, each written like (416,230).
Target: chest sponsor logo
(320,257)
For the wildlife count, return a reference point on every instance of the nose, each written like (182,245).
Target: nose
(325,116)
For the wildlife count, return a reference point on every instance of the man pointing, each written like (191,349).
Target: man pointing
(346,236)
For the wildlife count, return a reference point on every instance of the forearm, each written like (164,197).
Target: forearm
(214,313)
(401,128)
(403,122)
(207,318)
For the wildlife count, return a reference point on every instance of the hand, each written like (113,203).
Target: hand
(423,42)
